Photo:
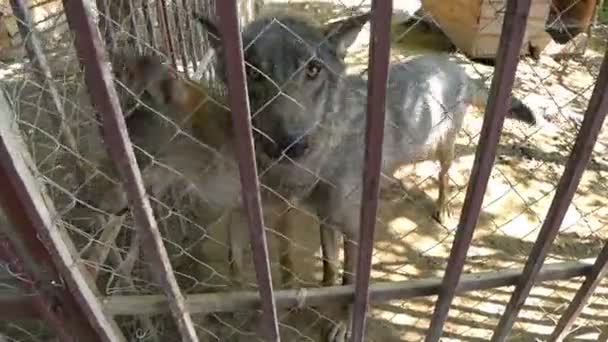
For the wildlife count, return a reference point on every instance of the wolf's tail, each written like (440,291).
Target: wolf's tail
(518,110)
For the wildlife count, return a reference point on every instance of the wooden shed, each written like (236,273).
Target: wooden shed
(474,26)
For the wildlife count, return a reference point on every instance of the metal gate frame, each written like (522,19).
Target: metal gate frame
(66,301)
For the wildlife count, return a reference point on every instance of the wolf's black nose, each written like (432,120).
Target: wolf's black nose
(294,146)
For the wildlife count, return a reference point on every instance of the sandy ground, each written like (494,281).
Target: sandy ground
(409,244)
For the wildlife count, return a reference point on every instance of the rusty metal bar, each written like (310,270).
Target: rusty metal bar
(379,291)
(593,279)
(180,41)
(379,54)
(105,100)
(37,248)
(161,10)
(132,36)
(241,118)
(38,59)
(148,19)
(105,24)
(577,162)
(197,35)
(513,29)
(191,33)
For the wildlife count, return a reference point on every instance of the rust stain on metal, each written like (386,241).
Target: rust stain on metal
(374,135)
(239,105)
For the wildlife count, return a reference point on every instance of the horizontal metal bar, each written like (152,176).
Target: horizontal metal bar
(105,100)
(597,274)
(250,189)
(513,29)
(381,291)
(379,54)
(568,183)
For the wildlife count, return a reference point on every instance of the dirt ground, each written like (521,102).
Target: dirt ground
(411,245)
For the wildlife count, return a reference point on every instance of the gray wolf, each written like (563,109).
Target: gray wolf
(310,116)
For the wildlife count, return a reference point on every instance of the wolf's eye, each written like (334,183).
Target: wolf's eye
(312,69)
(253,74)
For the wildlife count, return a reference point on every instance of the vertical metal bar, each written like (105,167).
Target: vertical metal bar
(181,45)
(599,270)
(577,162)
(379,54)
(166,30)
(148,19)
(105,23)
(239,104)
(190,41)
(105,100)
(513,29)
(379,291)
(38,59)
(198,36)
(132,36)
(36,246)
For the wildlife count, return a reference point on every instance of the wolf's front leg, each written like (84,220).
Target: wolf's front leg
(329,248)
(237,240)
(156,180)
(445,156)
(285,226)
(342,325)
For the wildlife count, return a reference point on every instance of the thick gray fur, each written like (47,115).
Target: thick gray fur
(316,126)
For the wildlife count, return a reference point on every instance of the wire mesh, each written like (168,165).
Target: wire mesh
(190,192)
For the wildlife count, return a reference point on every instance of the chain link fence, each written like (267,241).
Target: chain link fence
(62,133)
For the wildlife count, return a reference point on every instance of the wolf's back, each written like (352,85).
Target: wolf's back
(455,80)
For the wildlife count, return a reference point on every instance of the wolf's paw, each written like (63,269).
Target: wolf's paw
(442,213)
(339,332)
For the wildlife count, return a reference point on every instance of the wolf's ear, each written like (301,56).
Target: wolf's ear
(143,71)
(341,34)
(212,31)
(148,67)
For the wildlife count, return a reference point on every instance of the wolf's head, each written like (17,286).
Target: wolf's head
(158,84)
(293,69)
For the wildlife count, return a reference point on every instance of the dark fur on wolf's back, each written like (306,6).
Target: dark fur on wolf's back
(311,116)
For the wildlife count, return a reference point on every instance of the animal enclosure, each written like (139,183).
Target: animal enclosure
(133,162)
